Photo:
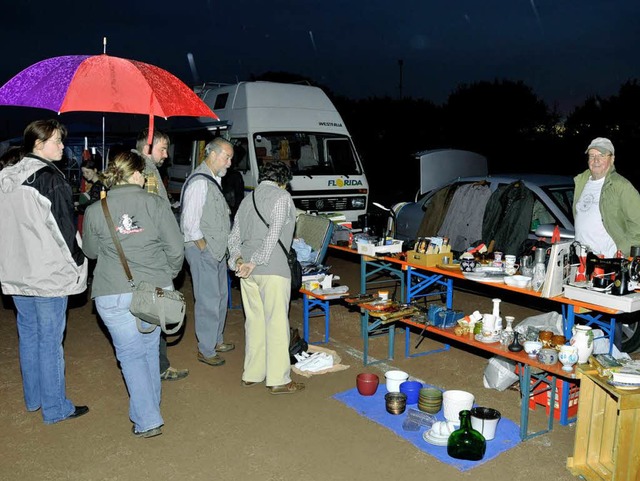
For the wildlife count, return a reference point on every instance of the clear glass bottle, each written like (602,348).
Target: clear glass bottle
(466,442)
(539,270)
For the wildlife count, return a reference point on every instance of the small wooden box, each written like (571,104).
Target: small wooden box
(426,260)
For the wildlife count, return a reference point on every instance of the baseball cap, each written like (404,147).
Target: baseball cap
(602,145)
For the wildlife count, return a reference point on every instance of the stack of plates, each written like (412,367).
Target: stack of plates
(486,274)
(439,433)
(624,385)
(435,439)
(487,340)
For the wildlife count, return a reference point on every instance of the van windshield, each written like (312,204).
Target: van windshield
(308,153)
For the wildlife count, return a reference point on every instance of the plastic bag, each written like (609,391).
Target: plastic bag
(529,327)
(499,374)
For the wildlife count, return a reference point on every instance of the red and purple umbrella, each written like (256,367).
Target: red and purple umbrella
(101,83)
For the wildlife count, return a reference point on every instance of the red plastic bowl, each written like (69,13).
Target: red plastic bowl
(367,383)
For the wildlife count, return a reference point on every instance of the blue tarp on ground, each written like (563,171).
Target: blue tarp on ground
(373,408)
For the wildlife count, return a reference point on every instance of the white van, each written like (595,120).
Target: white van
(293,123)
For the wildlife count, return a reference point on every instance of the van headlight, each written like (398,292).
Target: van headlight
(358,202)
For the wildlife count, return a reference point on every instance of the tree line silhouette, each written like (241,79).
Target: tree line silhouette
(503,120)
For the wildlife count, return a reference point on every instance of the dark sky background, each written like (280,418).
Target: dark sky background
(566,50)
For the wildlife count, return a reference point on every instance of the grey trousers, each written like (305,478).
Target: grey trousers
(210,290)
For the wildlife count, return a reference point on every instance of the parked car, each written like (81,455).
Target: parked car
(552,206)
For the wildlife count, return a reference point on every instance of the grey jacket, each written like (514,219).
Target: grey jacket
(148,232)
(40,248)
(215,222)
(250,234)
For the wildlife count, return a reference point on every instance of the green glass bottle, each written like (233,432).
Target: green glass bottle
(466,442)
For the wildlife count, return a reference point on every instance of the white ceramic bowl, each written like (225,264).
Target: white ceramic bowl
(394,379)
(532,347)
(517,281)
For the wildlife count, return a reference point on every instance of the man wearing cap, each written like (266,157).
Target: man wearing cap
(606,206)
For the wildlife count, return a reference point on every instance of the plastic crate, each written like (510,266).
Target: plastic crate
(544,399)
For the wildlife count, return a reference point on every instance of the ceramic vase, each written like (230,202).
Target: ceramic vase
(583,340)
(568,356)
(509,320)
(496,313)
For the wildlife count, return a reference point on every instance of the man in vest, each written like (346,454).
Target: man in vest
(205,223)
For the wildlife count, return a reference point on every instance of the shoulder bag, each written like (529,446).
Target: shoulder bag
(154,305)
(291,255)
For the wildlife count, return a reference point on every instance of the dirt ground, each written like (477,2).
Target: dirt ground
(216,429)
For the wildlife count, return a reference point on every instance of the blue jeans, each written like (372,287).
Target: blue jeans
(139,359)
(211,293)
(41,325)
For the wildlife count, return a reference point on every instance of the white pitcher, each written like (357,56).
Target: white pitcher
(583,340)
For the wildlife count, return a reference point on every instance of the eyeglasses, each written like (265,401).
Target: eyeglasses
(597,156)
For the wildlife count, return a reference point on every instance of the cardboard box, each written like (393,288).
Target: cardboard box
(626,303)
(426,260)
(373,249)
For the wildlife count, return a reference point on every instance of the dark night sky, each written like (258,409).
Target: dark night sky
(566,50)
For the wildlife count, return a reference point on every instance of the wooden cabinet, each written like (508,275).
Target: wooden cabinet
(607,442)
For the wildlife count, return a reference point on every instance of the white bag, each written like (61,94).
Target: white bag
(499,374)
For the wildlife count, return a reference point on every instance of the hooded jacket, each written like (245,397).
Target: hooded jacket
(40,254)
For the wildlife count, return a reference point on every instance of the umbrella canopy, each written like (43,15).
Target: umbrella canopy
(101,83)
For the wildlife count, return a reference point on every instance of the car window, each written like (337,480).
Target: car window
(563,197)
(541,215)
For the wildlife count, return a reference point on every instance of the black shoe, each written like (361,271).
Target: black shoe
(80,411)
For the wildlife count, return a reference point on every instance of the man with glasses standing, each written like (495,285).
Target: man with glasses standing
(205,222)
(606,209)
(154,156)
(606,206)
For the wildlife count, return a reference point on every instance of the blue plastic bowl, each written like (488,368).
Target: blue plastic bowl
(412,390)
